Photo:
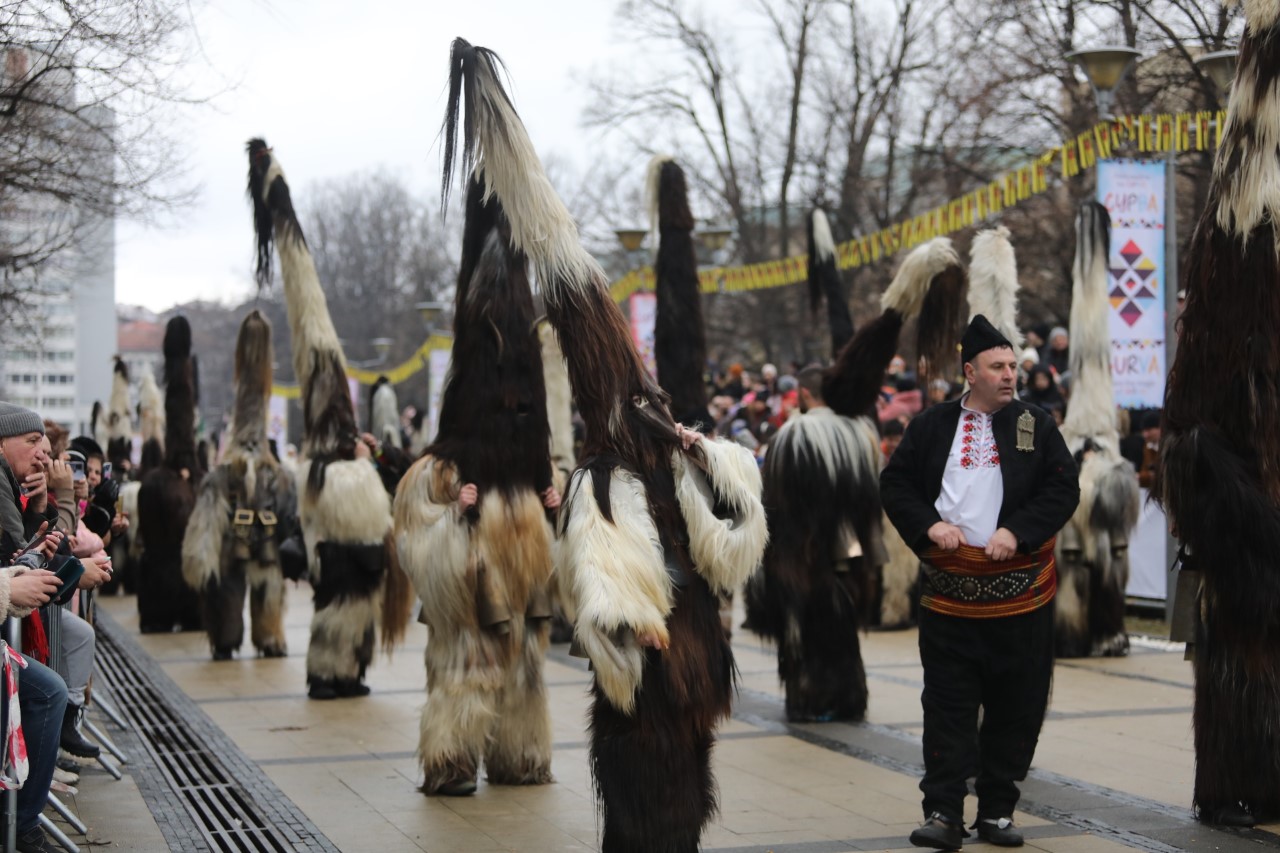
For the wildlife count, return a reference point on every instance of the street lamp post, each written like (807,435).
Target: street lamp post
(1105,67)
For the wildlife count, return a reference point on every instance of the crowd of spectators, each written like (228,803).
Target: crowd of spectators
(49,557)
(750,407)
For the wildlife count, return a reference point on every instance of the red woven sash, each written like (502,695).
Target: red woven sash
(966,582)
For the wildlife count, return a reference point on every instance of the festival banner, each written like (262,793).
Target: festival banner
(644,315)
(278,421)
(1133,193)
(438,365)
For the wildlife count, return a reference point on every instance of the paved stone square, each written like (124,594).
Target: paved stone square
(1113,770)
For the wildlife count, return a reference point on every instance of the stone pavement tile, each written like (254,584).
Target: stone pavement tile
(1071,844)
(115,813)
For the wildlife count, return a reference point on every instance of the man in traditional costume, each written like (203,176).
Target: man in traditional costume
(245,509)
(167,496)
(1093,549)
(344,510)
(472,529)
(657,520)
(1219,473)
(979,487)
(822,497)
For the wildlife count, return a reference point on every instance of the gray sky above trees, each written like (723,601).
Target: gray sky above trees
(339,88)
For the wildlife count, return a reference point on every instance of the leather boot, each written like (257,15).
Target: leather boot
(72,741)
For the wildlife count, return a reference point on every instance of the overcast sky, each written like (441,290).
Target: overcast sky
(341,87)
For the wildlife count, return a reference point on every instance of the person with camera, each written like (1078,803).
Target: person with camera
(25,584)
(85,544)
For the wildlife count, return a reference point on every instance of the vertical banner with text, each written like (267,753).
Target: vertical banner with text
(1133,193)
(644,315)
(438,365)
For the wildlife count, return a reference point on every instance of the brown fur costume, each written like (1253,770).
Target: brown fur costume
(652,532)
(1219,475)
(167,496)
(482,573)
(344,510)
(244,510)
(822,496)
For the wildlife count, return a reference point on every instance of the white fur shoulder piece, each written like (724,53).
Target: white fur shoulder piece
(617,580)
(725,551)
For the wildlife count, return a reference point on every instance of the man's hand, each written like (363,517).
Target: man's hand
(119,524)
(80,488)
(49,546)
(37,486)
(1003,545)
(652,640)
(96,572)
(551,498)
(59,475)
(362,451)
(948,537)
(688,437)
(468,496)
(32,588)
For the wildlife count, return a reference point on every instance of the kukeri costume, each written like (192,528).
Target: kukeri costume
(1219,474)
(344,510)
(482,571)
(1093,549)
(651,531)
(167,496)
(822,498)
(245,508)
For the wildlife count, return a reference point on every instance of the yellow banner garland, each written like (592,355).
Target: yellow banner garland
(1151,133)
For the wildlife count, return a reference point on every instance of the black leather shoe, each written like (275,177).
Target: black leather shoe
(71,740)
(939,833)
(222,653)
(999,831)
(457,788)
(350,687)
(1236,815)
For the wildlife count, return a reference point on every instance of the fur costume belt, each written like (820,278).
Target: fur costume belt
(967,583)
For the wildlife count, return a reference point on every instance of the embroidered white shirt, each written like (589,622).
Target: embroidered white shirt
(972,490)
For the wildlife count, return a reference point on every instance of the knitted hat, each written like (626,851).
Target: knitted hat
(16,420)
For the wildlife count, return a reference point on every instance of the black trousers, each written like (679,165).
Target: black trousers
(1004,666)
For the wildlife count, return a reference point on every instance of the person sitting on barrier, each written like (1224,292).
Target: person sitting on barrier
(42,695)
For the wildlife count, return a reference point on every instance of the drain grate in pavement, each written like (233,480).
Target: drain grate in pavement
(232,805)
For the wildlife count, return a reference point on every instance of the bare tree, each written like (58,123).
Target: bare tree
(83,135)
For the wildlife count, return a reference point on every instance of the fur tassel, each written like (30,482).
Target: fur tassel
(930,281)
(617,579)
(898,578)
(329,423)
(555,375)
(592,329)
(253,377)
(397,599)
(680,348)
(725,550)
(824,280)
(384,413)
(202,544)
(180,400)
(119,425)
(993,282)
(433,543)
(150,409)
(1092,412)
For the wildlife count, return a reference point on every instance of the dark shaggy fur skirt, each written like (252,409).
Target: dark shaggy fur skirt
(652,769)
(1237,715)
